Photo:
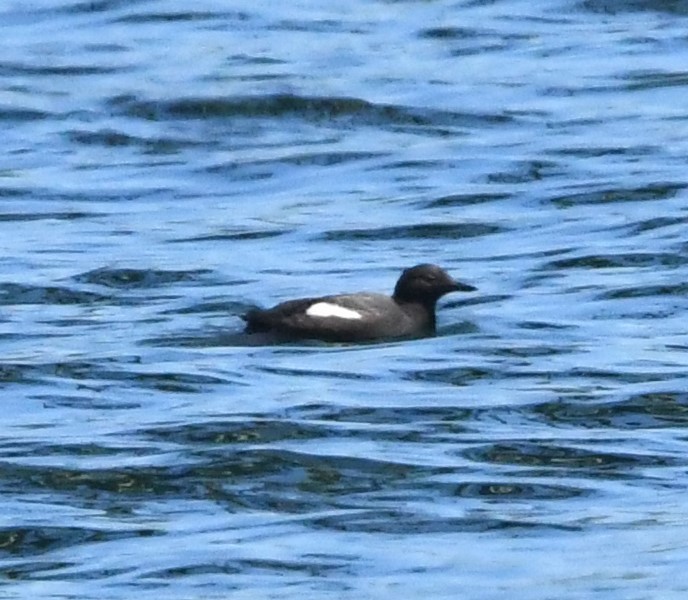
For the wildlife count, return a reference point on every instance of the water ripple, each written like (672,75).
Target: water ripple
(315,109)
(424,231)
(262,153)
(137,278)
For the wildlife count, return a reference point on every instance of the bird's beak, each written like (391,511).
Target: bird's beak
(462,287)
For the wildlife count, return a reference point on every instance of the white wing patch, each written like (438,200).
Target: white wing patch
(326,310)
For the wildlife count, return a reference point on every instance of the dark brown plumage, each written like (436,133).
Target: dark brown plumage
(360,317)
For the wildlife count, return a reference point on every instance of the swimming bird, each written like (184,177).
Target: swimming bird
(360,317)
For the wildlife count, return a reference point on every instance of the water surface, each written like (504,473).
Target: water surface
(167,166)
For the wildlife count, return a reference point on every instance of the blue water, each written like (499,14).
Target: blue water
(167,165)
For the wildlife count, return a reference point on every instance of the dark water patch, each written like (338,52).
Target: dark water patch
(550,457)
(500,490)
(87,401)
(526,172)
(17,293)
(279,480)
(298,482)
(233,568)
(420,164)
(322,159)
(152,163)
(435,231)
(8,192)
(30,541)
(108,486)
(312,567)
(31,570)
(617,376)
(620,261)
(533,351)
(249,431)
(465,41)
(309,566)
(458,327)
(18,335)
(415,425)
(266,168)
(449,33)
(78,370)
(650,192)
(459,200)
(650,80)
(651,410)
(419,417)
(110,138)
(615,7)
(256,479)
(18,115)
(139,278)
(257,60)
(68,323)
(25,70)
(11,373)
(543,325)
(400,522)
(234,235)
(105,48)
(316,373)
(468,326)
(170,17)
(82,574)
(12,449)
(327,475)
(100,374)
(98,6)
(16,217)
(601,151)
(514,490)
(262,106)
(458,376)
(329,110)
(246,172)
(95,195)
(162,381)
(179,383)
(646,291)
(331,26)
(656,223)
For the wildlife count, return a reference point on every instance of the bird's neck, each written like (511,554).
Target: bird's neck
(425,306)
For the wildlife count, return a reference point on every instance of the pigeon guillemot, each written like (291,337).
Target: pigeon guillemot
(361,317)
